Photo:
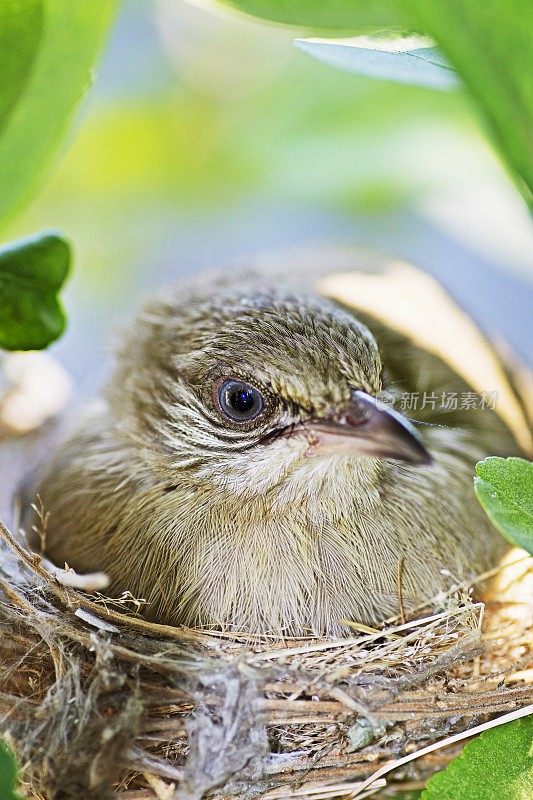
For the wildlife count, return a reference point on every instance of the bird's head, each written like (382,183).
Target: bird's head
(243,390)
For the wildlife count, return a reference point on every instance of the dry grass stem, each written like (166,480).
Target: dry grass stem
(98,703)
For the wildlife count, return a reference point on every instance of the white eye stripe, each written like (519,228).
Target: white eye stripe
(195,436)
(197,430)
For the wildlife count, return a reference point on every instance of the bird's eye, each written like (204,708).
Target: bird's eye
(240,401)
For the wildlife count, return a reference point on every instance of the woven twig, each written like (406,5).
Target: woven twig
(97,703)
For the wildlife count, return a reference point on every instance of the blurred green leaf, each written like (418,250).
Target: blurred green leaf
(44,72)
(489,44)
(400,59)
(32,271)
(21,23)
(504,487)
(335,15)
(8,774)
(496,765)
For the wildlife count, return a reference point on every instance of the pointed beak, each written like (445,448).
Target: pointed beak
(368,428)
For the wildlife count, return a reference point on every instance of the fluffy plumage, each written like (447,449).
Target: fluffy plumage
(234,526)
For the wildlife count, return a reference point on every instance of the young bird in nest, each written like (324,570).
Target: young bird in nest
(241,475)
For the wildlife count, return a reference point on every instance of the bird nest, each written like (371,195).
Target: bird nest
(98,703)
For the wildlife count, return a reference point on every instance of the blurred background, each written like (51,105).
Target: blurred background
(209,138)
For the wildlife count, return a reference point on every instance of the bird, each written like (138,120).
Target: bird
(249,467)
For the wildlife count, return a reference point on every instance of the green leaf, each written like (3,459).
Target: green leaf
(45,69)
(504,487)
(333,15)
(402,59)
(32,271)
(8,774)
(489,45)
(21,23)
(487,42)
(497,765)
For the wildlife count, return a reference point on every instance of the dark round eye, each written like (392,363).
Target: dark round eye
(240,401)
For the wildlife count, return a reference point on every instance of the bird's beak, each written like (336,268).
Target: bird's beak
(366,427)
